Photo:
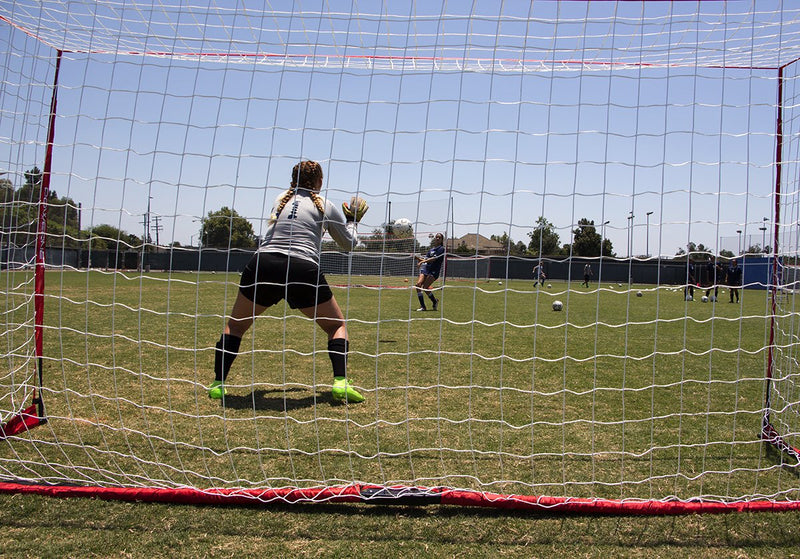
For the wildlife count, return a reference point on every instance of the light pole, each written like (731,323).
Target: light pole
(647,236)
(763,237)
(144,265)
(739,231)
(630,234)
(199,233)
(603,237)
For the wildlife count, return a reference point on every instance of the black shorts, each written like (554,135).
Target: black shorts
(271,276)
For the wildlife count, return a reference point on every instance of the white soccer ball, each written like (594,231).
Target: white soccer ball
(549,285)
(689,298)
(704,299)
(499,283)
(402,226)
(638,293)
(713,299)
(558,305)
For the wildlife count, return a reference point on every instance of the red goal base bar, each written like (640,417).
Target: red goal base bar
(374,494)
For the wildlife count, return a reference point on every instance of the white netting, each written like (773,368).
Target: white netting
(535,134)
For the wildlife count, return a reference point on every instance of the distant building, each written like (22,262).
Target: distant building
(472,243)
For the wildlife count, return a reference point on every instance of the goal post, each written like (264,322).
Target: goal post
(644,156)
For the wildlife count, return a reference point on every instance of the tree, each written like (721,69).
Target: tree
(108,237)
(7,200)
(225,228)
(586,241)
(692,249)
(21,212)
(544,239)
(62,221)
(509,246)
(6,191)
(386,239)
(463,250)
(756,249)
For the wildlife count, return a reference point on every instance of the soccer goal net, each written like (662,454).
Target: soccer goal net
(613,325)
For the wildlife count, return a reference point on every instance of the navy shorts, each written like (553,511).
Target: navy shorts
(424,271)
(271,276)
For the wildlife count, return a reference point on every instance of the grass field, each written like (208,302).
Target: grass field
(617,396)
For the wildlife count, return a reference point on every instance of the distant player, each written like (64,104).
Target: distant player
(286,266)
(587,274)
(538,275)
(714,274)
(688,291)
(734,279)
(430,266)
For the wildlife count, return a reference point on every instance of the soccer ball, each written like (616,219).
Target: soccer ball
(704,299)
(689,298)
(549,285)
(638,293)
(713,299)
(402,226)
(558,305)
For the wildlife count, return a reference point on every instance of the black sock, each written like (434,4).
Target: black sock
(226,349)
(337,351)
(432,298)
(421,300)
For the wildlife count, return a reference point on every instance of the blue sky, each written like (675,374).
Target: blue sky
(505,125)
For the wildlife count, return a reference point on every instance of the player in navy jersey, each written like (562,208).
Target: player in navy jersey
(539,275)
(734,279)
(688,290)
(286,266)
(430,266)
(714,274)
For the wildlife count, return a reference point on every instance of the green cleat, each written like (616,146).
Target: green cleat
(216,391)
(344,392)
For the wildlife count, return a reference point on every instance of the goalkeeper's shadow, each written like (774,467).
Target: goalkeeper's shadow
(278,400)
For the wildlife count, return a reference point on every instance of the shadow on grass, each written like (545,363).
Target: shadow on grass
(779,457)
(275,400)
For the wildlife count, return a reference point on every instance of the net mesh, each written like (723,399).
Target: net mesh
(606,145)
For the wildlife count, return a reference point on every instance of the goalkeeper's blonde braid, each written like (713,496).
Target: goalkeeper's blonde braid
(318,202)
(282,203)
(305,175)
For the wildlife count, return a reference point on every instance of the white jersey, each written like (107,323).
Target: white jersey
(299,228)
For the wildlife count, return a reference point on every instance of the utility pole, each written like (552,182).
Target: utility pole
(158,227)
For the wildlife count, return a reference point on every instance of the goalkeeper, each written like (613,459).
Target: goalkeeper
(430,266)
(286,266)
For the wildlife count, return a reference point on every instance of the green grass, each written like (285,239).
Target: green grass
(617,396)
(48,527)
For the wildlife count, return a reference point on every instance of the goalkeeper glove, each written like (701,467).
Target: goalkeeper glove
(356,210)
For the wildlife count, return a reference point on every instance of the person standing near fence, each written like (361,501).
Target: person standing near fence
(688,291)
(734,280)
(714,274)
(587,274)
